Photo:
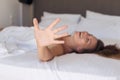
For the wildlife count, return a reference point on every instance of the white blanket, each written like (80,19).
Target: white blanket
(16,39)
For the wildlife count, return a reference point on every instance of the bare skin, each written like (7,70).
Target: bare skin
(46,38)
(50,44)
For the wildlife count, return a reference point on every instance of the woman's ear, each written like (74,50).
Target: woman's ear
(79,49)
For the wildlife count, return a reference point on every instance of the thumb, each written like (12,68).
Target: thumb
(35,23)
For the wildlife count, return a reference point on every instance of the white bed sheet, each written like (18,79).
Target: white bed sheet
(68,67)
(21,63)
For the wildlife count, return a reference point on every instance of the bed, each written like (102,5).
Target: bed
(18,51)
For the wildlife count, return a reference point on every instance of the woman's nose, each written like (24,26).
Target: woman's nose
(85,33)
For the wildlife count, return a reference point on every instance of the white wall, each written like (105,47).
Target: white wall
(14,13)
(9,13)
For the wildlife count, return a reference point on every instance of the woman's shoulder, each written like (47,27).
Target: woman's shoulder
(56,49)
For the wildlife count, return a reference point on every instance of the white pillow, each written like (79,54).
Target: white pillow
(72,18)
(48,21)
(100,16)
(100,29)
(71,27)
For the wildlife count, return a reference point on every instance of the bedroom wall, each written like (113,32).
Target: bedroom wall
(14,13)
(9,13)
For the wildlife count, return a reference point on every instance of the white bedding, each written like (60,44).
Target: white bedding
(68,67)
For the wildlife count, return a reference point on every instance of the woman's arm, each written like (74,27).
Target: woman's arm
(47,37)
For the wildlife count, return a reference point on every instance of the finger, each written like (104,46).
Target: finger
(53,23)
(62,35)
(58,42)
(35,23)
(60,29)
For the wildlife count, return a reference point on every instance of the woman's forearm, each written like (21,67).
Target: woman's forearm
(47,37)
(44,53)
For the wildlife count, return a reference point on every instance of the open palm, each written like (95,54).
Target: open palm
(48,36)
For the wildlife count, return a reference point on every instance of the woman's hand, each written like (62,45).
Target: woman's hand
(48,36)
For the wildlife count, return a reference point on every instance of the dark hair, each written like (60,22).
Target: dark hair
(111,51)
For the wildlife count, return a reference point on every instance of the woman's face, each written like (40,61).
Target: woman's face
(84,40)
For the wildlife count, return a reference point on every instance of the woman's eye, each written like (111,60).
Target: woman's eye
(87,40)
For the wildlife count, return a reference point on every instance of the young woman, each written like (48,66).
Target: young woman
(51,44)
